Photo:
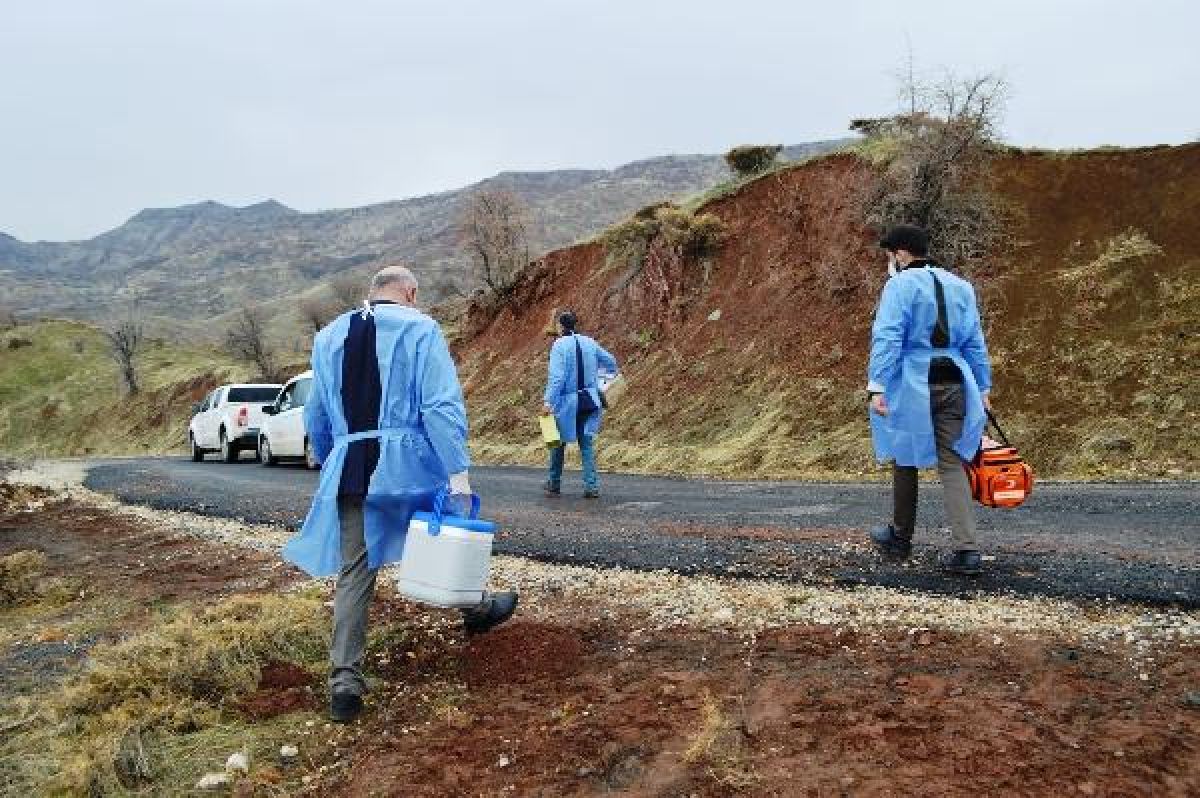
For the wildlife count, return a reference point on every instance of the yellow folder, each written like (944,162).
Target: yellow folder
(550,431)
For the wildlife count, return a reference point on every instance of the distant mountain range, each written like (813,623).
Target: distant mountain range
(193,263)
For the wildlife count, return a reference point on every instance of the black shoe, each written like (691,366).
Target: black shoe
(591,494)
(495,609)
(891,545)
(964,562)
(552,490)
(345,707)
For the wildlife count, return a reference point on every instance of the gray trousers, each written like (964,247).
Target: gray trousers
(351,600)
(948,404)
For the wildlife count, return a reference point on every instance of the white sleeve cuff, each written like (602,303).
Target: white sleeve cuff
(874,387)
(459,483)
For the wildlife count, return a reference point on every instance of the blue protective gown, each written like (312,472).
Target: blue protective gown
(901,349)
(562,383)
(422,436)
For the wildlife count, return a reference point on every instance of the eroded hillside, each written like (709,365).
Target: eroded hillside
(750,362)
(188,265)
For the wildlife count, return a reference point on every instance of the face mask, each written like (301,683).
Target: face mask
(892,270)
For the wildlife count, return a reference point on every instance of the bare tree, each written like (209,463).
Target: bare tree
(125,339)
(443,285)
(348,291)
(246,339)
(938,169)
(315,312)
(495,231)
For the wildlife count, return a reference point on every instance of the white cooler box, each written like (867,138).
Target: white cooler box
(447,558)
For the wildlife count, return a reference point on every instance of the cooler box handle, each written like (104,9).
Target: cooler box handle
(439,506)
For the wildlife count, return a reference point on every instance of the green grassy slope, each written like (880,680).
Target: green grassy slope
(60,394)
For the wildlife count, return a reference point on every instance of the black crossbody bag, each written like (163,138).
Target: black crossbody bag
(942,369)
(586,403)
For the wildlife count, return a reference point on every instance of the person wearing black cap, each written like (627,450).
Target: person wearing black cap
(573,397)
(928,382)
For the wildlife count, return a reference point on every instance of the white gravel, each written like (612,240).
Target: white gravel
(670,600)
(65,479)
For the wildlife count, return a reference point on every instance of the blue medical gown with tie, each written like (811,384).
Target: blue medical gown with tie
(901,348)
(422,436)
(562,383)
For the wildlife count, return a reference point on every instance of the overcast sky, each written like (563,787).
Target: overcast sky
(112,106)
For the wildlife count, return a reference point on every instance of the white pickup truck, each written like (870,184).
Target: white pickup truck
(228,420)
(282,433)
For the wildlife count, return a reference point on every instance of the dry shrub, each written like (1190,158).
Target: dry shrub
(630,237)
(712,725)
(752,159)
(720,745)
(1099,279)
(177,678)
(692,235)
(20,577)
(935,158)
(1129,245)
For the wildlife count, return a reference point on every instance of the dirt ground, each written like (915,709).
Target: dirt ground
(595,709)
(114,575)
(587,692)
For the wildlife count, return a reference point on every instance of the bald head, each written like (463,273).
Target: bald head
(396,283)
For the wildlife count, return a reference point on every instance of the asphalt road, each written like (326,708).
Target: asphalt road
(1128,542)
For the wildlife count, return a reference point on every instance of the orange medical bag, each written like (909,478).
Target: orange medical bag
(998,476)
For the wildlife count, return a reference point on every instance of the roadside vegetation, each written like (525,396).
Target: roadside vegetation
(181,676)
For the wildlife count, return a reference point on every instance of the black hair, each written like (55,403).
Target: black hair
(908,237)
(567,321)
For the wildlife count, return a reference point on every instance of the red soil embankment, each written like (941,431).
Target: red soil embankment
(1091,316)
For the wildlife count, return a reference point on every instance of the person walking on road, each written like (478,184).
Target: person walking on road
(573,398)
(386,419)
(929,378)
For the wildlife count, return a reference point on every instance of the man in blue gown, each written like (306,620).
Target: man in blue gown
(573,397)
(387,421)
(929,378)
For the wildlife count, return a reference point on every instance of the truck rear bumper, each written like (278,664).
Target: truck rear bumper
(247,438)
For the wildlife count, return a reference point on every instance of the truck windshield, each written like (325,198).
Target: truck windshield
(257,394)
(300,392)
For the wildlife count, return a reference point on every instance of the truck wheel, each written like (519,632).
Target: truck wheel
(229,454)
(197,452)
(310,457)
(264,452)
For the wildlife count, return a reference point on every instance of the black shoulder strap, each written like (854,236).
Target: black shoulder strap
(941,331)
(995,423)
(578,363)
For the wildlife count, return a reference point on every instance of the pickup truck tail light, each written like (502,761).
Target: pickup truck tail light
(243,417)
